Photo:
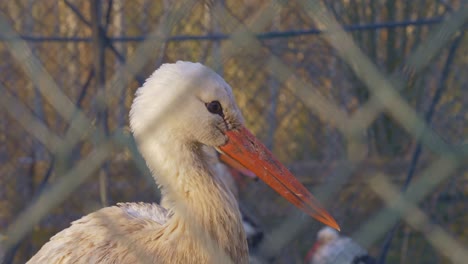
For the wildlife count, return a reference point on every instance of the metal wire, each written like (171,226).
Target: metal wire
(49,87)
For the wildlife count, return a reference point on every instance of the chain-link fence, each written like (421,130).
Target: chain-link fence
(365,101)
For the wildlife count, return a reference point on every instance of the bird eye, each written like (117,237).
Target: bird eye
(215,108)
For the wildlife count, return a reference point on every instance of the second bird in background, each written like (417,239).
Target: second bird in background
(331,248)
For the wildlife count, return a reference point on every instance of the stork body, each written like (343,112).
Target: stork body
(330,248)
(179,109)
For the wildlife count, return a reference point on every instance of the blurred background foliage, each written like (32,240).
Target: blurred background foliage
(60,34)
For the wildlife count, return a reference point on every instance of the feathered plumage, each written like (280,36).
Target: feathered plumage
(330,248)
(181,108)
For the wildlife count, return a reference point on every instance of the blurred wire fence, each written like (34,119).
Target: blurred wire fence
(366,101)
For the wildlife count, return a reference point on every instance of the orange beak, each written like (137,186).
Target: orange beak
(247,150)
(237,166)
(311,252)
(238,172)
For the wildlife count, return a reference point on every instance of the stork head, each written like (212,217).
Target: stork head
(326,235)
(188,100)
(191,104)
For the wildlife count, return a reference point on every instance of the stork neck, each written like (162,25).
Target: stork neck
(178,168)
(201,204)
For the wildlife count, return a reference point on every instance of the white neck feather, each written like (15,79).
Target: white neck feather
(195,196)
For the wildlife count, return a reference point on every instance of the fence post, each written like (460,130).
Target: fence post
(99,46)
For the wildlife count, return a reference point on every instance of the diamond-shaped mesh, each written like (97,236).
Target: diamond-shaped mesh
(360,99)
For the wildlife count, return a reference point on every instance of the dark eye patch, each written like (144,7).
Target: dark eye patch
(215,107)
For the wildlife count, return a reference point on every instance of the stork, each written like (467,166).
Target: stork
(179,109)
(331,248)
